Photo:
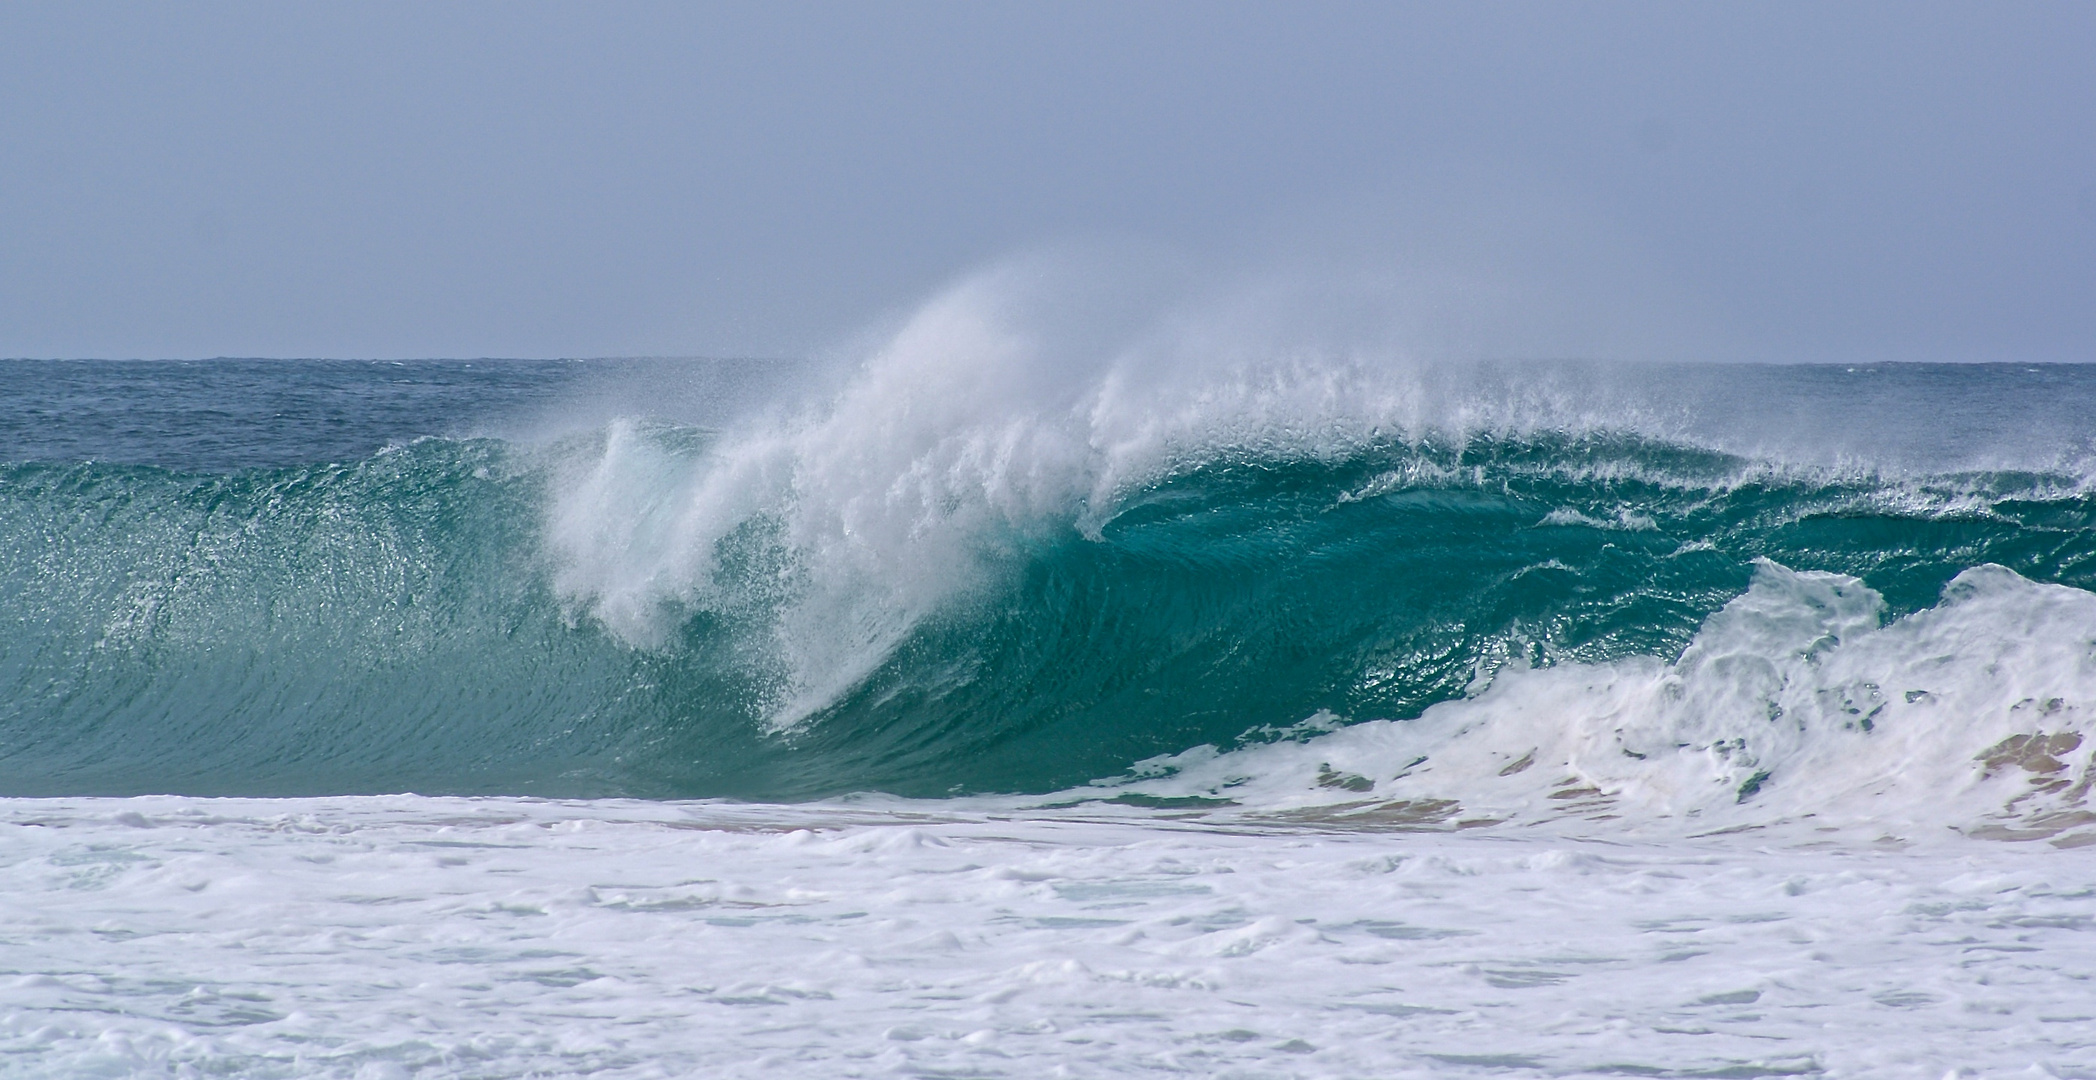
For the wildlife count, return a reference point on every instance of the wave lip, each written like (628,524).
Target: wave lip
(1024,408)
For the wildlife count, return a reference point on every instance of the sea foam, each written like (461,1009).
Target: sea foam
(1795,701)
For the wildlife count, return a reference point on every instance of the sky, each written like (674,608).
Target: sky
(1766,181)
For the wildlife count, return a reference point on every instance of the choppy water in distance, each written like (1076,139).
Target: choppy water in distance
(229,415)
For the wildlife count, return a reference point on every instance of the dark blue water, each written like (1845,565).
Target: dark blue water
(223,416)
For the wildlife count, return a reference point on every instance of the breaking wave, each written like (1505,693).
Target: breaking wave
(984,561)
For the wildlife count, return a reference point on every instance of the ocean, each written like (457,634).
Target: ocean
(959,711)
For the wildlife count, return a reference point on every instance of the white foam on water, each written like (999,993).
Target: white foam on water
(1795,701)
(421,937)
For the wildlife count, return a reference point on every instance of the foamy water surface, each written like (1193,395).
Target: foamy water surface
(408,936)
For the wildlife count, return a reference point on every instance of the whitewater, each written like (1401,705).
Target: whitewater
(1025,694)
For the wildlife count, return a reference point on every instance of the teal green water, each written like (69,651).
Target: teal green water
(389,624)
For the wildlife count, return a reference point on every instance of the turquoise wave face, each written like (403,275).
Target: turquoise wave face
(393,624)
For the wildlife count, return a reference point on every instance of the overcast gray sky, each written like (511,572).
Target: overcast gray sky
(1772,181)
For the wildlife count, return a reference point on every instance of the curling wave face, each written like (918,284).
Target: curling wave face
(1604,607)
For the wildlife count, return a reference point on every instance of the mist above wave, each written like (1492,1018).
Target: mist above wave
(1037,399)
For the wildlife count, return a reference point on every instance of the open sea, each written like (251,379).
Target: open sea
(959,713)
